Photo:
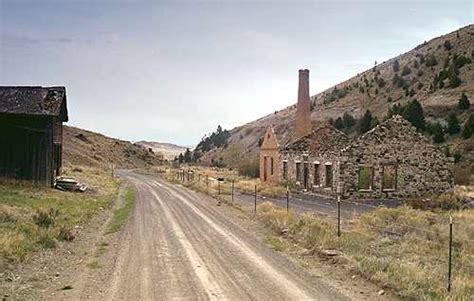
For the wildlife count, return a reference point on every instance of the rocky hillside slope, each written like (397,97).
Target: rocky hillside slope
(85,148)
(378,89)
(168,150)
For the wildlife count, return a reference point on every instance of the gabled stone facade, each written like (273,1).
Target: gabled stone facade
(270,158)
(393,160)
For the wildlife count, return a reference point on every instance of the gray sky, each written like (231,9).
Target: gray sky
(173,71)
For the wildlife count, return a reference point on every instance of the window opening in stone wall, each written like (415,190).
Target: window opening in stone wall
(271,166)
(265,169)
(317,179)
(305,175)
(285,170)
(389,177)
(328,175)
(365,177)
(298,171)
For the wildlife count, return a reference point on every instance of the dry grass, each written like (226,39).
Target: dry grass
(402,248)
(210,175)
(35,218)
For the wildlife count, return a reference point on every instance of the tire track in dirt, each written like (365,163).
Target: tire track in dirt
(177,245)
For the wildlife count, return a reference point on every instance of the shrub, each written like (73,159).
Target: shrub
(398,81)
(45,219)
(421,57)
(413,112)
(431,60)
(438,133)
(338,124)
(396,66)
(461,60)
(348,120)
(66,234)
(406,70)
(447,45)
(381,82)
(249,168)
(46,241)
(419,73)
(453,124)
(367,122)
(468,127)
(463,103)
(446,201)
(453,76)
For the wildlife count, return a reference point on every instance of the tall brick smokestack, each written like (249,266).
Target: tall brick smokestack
(303,108)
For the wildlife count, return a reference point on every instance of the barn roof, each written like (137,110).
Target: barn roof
(44,101)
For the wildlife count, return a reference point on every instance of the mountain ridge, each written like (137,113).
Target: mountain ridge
(377,89)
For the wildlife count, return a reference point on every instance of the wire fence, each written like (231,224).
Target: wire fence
(440,237)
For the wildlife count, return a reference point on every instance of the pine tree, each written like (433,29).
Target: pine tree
(188,156)
(438,133)
(396,66)
(453,124)
(454,80)
(463,103)
(414,113)
(468,130)
(338,124)
(366,122)
(348,120)
(181,158)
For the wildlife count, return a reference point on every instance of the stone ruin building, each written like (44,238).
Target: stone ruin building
(392,160)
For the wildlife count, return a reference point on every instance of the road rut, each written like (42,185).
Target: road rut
(178,245)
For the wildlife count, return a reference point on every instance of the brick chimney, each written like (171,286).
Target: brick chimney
(303,108)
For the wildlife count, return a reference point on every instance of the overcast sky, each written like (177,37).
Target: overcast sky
(172,71)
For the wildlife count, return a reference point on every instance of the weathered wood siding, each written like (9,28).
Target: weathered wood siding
(26,148)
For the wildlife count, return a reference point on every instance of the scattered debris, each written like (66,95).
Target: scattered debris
(331,252)
(67,287)
(381,292)
(69,184)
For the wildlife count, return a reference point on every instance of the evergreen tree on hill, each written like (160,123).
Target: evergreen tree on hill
(453,124)
(463,103)
(414,113)
(468,130)
(366,122)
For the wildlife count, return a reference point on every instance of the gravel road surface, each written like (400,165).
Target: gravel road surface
(179,245)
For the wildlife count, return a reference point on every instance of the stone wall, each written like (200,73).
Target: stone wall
(321,148)
(421,167)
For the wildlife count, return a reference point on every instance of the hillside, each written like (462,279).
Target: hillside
(168,150)
(422,74)
(87,148)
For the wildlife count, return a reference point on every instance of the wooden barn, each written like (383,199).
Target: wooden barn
(31,133)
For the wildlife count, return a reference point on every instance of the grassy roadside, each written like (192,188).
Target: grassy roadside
(208,182)
(403,249)
(37,218)
(121,214)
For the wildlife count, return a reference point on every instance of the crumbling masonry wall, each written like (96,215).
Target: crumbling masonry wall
(421,167)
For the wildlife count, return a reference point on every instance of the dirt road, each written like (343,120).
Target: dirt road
(178,245)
